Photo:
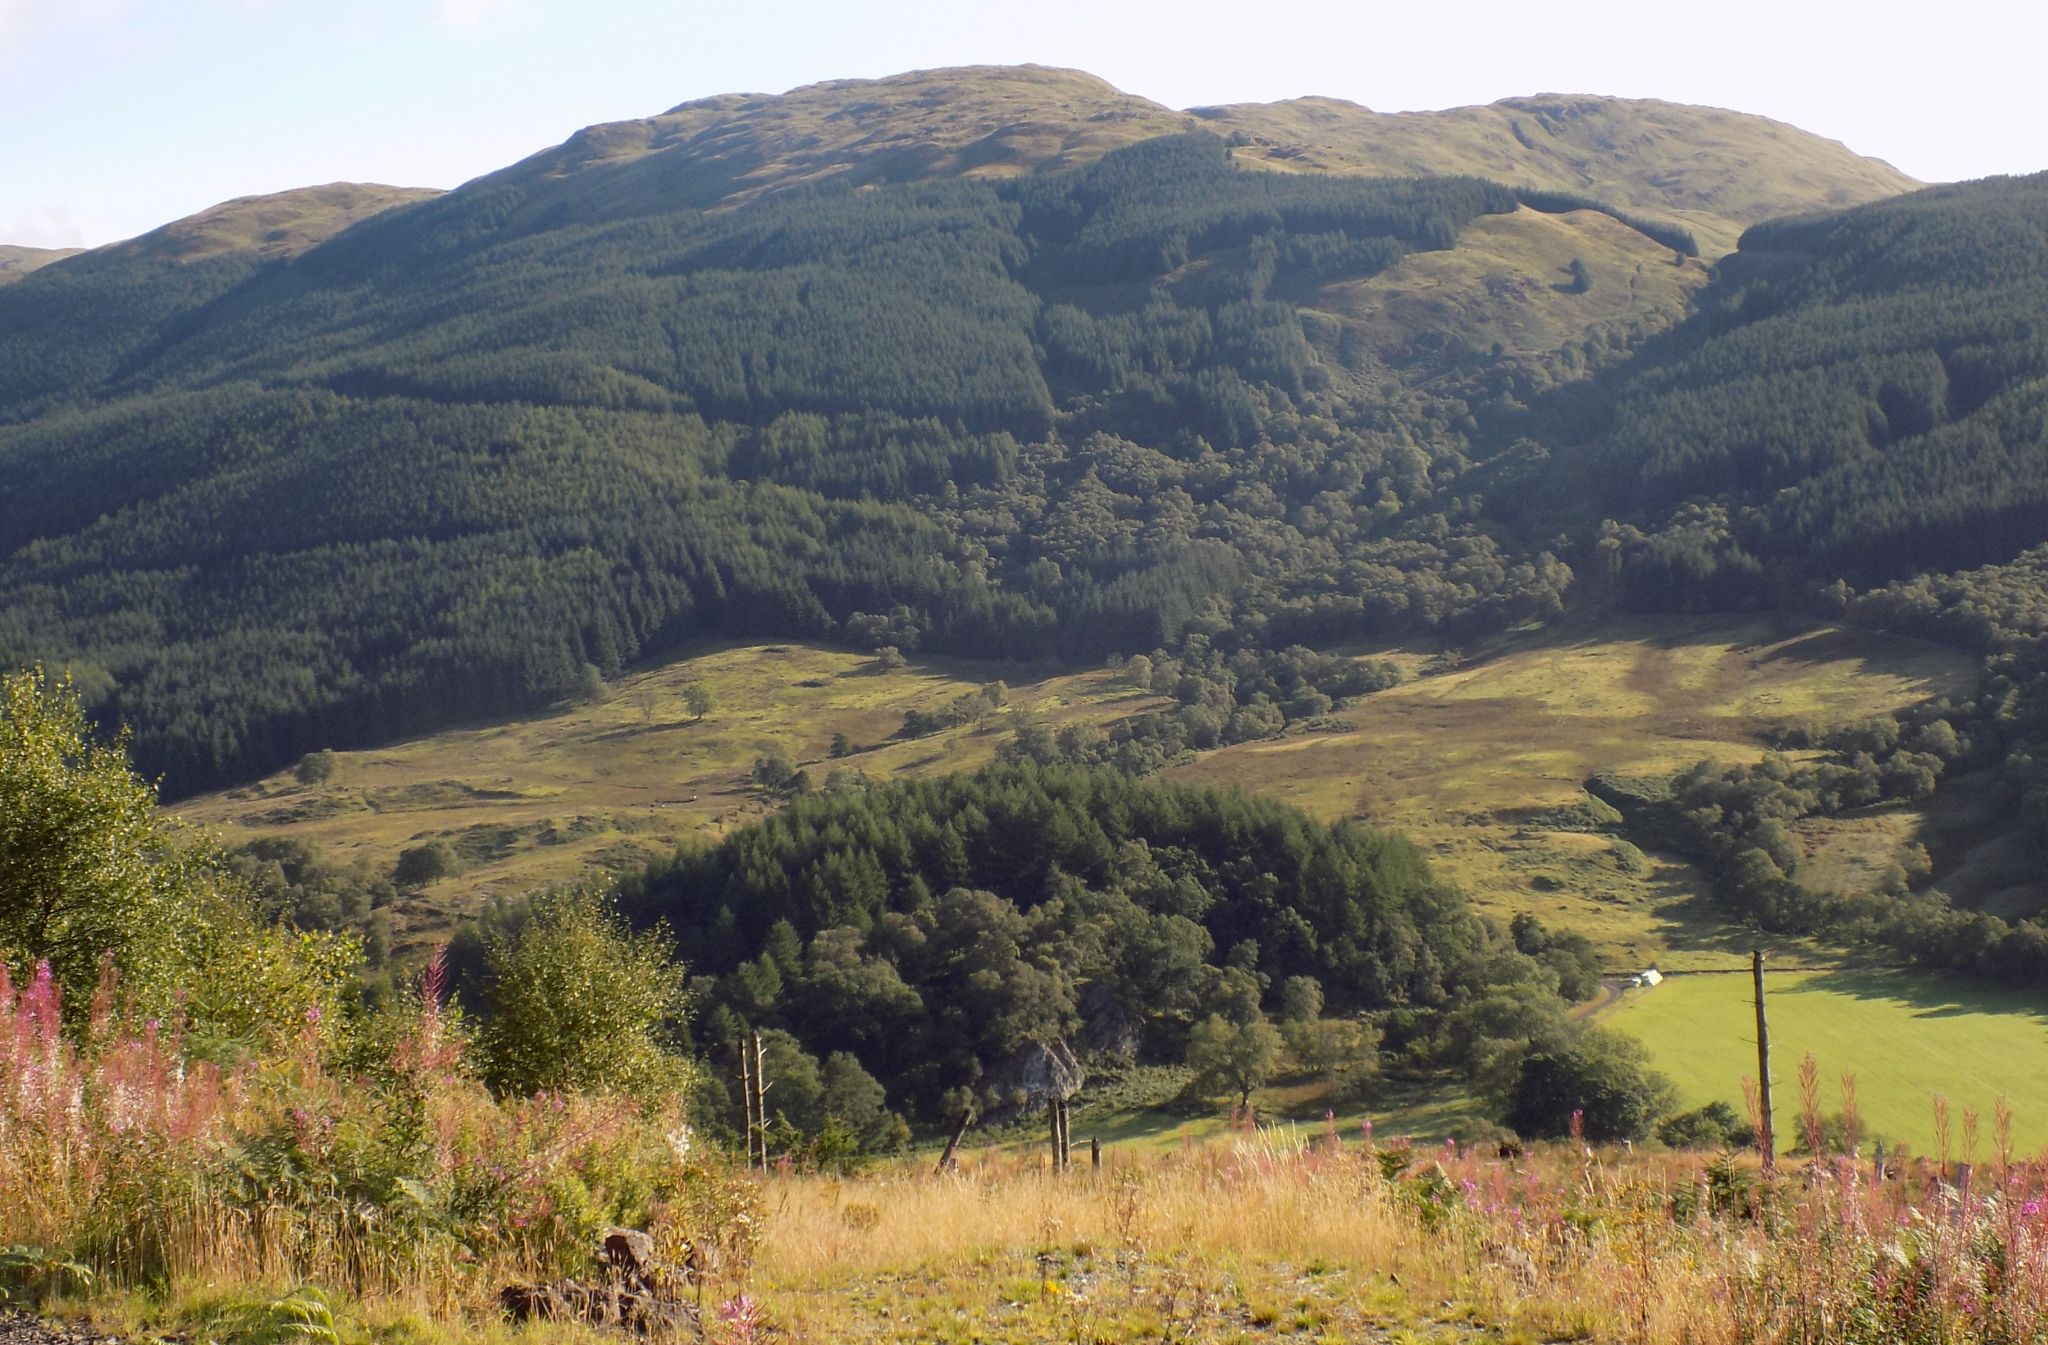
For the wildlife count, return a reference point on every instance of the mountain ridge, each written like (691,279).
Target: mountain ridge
(268,226)
(998,121)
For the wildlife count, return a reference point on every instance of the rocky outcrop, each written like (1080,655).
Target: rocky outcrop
(637,1293)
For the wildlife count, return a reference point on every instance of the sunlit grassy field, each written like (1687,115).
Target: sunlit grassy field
(1905,1039)
(605,787)
(1484,764)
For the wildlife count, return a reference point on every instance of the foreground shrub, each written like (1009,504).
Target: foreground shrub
(390,1170)
(89,871)
(579,1001)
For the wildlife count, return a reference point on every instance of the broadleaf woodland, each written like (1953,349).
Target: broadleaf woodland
(453,459)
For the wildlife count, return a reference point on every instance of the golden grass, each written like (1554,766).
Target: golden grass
(1477,764)
(1260,1237)
(552,797)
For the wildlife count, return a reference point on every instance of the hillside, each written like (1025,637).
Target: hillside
(280,225)
(1707,168)
(564,416)
(612,785)
(16,262)
(1485,764)
(1862,399)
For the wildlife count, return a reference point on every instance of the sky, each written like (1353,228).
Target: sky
(120,115)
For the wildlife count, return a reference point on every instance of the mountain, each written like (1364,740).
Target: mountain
(16,262)
(995,362)
(1713,170)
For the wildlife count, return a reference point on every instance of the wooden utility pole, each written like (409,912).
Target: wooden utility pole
(1766,1140)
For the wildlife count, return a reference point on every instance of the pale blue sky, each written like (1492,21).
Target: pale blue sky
(118,115)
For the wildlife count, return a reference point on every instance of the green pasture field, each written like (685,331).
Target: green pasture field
(1906,1038)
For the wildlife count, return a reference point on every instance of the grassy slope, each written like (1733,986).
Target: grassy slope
(16,262)
(1710,169)
(283,224)
(1507,282)
(547,798)
(1905,1039)
(1714,169)
(1476,763)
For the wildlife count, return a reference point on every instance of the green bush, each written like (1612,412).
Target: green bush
(1713,1126)
(1599,1083)
(578,1002)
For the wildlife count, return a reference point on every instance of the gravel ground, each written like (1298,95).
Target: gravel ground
(17,1328)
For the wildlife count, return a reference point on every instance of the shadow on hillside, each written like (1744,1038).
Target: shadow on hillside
(1691,922)
(1931,995)
(631,731)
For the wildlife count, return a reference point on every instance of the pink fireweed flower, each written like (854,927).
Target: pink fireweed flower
(742,1314)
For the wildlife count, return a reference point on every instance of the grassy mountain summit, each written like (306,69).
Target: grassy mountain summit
(1715,170)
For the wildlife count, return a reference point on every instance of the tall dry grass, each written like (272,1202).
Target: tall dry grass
(1563,1242)
(376,1167)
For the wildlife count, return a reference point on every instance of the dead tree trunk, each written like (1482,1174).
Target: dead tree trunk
(761,1087)
(746,1100)
(953,1144)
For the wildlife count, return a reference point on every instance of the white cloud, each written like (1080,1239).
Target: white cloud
(44,226)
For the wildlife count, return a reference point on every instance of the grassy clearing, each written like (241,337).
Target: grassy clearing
(1484,764)
(1905,1038)
(1507,282)
(606,787)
